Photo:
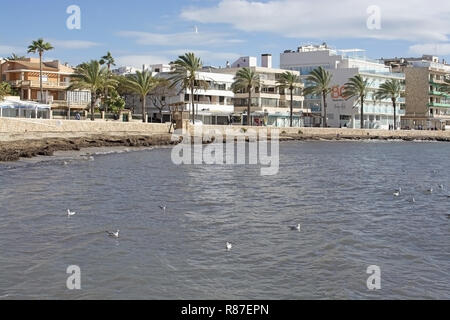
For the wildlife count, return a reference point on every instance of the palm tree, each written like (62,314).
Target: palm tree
(40,47)
(14,57)
(289,80)
(391,89)
(91,76)
(109,61)
(357,87)
(185,75)
(320,79)
(246,79)
(142,82)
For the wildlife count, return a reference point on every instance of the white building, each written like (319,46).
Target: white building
(270,103)
(344,64)
(212,106)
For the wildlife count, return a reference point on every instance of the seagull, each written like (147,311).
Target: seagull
(113,234)
(430,191)
(413,200)
(229,246)
(397,194)
(70,213)
(296,228)
(163,208)
(441,186)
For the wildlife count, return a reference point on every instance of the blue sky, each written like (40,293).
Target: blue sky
(143,31)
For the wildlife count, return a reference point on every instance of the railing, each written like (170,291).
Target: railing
(32,83)
(443,105)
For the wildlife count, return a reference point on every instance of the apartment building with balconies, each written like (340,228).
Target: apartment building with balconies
(427,105)
(24,77)
(344,64)
(270,104)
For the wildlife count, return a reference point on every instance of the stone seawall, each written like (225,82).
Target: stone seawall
(12,129)
(332,133)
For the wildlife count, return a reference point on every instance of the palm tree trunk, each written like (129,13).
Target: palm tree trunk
(40,76)
(362,113)
(193,105)
(292,108)
(249,107)
(395,114)
(325,122)
(144,118)
(93,100)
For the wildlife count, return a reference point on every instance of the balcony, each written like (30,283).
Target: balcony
(438,93)
(439,105)
(36,84)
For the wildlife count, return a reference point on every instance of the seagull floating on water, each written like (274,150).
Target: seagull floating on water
(398,192)
(441,186)
(296,228)
(70,213)
(229,246)
(113,234)
(413,200)
(163,208)
(430,190)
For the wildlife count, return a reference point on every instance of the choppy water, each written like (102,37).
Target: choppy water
(341,193)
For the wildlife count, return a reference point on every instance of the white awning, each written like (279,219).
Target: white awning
(28,105)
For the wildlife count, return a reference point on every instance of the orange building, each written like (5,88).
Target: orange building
(23,76)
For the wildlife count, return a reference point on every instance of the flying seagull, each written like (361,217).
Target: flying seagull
(70,213)
(229,246)
(113,234)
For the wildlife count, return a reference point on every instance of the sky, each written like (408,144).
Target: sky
(150,32)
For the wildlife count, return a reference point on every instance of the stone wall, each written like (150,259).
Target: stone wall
(335,132)
(17,129)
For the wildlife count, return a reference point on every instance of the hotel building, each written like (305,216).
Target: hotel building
(427,107)
(343,66)
(270,104)
(23,76)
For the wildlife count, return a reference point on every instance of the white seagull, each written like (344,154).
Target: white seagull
(113,234)
(296,228)
(430,190)
(163,208)
(413,200)
(441,186)
(70,213)
(229,246)
(398,192)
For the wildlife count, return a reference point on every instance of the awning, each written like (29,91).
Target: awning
(26,105)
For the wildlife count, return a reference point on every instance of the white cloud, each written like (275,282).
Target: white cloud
(413,20)
(73,44)
(181,39)
(138,60)
(438,49)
